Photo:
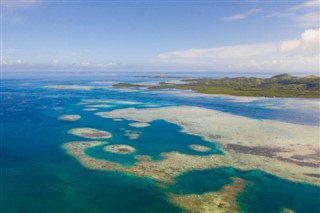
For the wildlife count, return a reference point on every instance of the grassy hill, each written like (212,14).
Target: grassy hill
(283,85)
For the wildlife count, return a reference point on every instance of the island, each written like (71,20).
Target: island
(284,85)
(158,76)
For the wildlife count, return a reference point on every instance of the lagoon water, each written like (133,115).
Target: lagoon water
(38,176)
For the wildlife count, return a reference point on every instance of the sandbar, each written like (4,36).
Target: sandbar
(99,106)
(117,119)
(69,117)
(119,149)
(199,148)
(90,133)
(139,124)
(90,109)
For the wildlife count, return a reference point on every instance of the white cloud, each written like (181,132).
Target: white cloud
(304,15)
(3,62)
(294,55)
(312,4)
(310,19)
(226,52)
(97,65)
(310,39)
(242,15)
(84,63)
(13,9)
(15,5)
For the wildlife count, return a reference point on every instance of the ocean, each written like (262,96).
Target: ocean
(37,175)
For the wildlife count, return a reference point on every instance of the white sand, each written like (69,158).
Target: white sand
(139,124)
(69,117)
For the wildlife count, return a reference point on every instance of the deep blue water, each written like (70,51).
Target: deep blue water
(38,176)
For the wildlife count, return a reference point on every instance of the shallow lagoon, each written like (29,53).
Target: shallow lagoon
(38,176)
(159,137)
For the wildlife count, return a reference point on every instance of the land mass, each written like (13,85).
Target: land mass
(284,85)
(158,76)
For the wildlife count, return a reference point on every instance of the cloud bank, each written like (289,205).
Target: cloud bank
(294,55)
(242,15)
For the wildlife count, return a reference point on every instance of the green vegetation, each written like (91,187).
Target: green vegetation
(283,85)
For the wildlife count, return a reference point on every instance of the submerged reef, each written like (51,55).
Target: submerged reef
(199,148)
(90,133)
(119,149)
(139,124)
(69,117)
(288,151)
(218,202)
(248,144)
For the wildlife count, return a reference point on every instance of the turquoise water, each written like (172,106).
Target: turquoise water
(263,193)
(38,176)
(155,139)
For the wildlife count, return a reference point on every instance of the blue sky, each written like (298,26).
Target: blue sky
(244,36)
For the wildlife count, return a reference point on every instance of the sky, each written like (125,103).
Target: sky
(169,35)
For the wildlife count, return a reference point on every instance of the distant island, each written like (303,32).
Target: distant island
(159,76)
(284,85)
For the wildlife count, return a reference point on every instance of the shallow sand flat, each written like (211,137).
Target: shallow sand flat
(90,109)
(151,105)
(109,101)
(117,119)
(119,149)
(139,124)
(259,143)
(199,148)
(218,202)
(90,133)
(132,136)
(69,87)
(99,106)
(69,117)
